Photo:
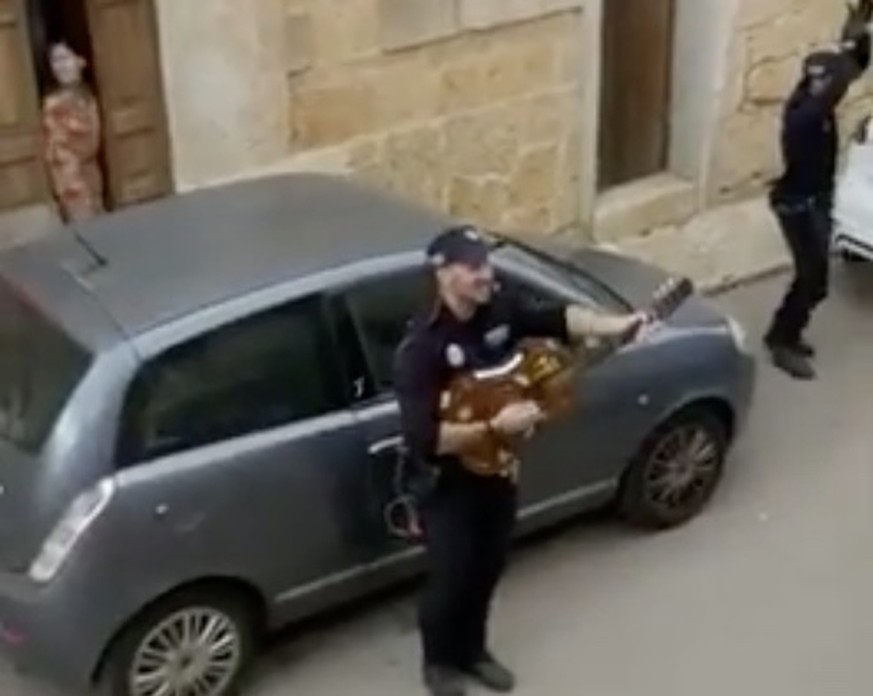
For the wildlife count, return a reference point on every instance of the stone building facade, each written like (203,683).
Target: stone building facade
(769,39)
(485,108)
(472,107)
(488,109)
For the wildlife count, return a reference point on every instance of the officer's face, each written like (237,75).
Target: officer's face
(822,84)
(817,85)
(469,283)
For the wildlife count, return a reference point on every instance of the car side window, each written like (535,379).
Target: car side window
(255,374)
(382,309)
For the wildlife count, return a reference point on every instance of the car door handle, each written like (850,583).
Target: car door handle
(385,445)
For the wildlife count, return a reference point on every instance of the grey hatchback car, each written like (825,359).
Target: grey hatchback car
(198,436)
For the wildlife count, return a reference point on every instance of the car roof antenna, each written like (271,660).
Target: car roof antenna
(99,260)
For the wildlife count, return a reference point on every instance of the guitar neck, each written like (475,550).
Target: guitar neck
(664,302)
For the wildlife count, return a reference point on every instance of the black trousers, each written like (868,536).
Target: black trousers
(467,528)
(806,226)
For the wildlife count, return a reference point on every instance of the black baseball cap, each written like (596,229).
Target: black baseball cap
(462,244)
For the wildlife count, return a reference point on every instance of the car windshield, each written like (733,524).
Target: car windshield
(552,267)
(40,367)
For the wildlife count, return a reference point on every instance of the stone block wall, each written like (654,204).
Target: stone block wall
(770,38)
(470,106)
(487,109)
(474,106)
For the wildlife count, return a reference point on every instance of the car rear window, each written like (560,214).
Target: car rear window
(40,367)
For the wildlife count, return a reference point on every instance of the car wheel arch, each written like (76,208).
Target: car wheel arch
(239,588)
(715,411)
(717,406)
(714,405)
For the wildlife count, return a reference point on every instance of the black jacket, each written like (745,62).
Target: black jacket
(438,345)
(809,137)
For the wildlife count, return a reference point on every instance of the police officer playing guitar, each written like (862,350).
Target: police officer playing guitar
(468,519)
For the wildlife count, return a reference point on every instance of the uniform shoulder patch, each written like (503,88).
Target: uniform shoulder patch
(497,336)
(455,355)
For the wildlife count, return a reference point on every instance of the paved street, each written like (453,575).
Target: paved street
(767,593)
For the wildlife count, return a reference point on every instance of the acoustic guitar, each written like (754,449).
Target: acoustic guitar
(541,370)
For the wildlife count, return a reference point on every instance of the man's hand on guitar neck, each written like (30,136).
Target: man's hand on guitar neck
(583,322)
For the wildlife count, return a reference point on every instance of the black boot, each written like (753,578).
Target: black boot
(805,348)
(443,681)
(792,361)
(491,674)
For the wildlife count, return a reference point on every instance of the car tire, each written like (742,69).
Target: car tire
(223,619)
(675,472)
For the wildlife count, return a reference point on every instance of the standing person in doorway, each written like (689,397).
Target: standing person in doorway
(468,519)
(71,125)
(802,197)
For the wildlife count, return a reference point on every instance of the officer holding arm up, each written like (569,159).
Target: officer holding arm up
(802,196)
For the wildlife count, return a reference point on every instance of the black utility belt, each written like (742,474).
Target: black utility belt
(795,204)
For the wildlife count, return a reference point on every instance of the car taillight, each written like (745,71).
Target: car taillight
(73,524)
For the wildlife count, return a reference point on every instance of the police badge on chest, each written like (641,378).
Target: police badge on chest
(455,356)
(498,336)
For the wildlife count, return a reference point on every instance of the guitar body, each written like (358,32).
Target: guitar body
(541,370)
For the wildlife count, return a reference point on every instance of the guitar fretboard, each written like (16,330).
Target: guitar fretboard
(666,300)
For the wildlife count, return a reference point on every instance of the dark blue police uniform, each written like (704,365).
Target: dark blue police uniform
(467,519)
(802,196)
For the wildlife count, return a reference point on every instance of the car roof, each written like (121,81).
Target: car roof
(154,262)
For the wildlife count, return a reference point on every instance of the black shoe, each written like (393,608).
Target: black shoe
(800,346)
(805,349)
(791,361)
(444,681)
(492,675)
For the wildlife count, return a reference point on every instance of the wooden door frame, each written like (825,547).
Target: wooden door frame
(635,97)
(127,120)
(15,144)
(718,41)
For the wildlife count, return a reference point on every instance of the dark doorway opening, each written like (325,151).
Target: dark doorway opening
(636,89)
(120,43)
(53,21)
(65,21)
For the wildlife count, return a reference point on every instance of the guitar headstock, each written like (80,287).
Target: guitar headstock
(669,295)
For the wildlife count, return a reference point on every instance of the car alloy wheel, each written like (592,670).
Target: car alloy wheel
(682,466)
(196,642)
(676,471)
(196,652)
